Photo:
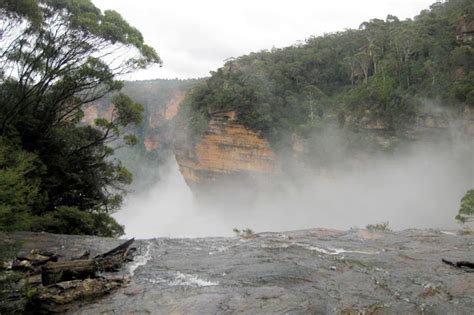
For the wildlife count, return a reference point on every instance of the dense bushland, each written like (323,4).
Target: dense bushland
(382,71)
(59,175)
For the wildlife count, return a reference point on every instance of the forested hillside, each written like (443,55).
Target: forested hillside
(384,73)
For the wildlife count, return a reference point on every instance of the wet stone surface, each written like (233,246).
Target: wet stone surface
(303,272)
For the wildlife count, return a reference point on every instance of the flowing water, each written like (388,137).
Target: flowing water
(312,271)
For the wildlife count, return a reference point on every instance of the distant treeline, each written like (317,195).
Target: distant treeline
(381,71)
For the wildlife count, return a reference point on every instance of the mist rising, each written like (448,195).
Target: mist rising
(419,187)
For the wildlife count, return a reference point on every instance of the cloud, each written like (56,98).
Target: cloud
(195,37)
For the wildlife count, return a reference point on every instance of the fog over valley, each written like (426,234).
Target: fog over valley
(236,157)
(419,188)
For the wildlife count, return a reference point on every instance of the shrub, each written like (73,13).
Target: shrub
(19,187)
(70,220)
(245,233)
(466,211)
(378,227)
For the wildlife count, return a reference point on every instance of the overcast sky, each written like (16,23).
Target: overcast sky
(195,37)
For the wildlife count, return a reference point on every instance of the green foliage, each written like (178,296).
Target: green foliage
(193,115)
(466,211)
(128,111)
(379,72)
(19,187)
(378,227)
(17,9)
(244,233)
(60,176)
(69,220)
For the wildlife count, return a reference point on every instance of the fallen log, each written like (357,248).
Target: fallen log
(119,250)
(113,259)
(54,272)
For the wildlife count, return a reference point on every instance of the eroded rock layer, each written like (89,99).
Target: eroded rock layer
(230,152)
(227,150)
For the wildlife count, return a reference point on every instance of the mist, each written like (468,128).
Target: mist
(417,187)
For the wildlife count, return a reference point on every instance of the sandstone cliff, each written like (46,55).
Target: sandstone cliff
(159,122)
(227,150)
(160,98)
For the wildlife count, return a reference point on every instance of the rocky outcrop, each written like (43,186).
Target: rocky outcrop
(465,30)
(230,152)
(172,107)
(161,100)
(227,150)
(316,271)
(96,110)
(159,130)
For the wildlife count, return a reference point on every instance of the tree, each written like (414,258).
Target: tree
(59,56)
(19,186)
(404,42)
(466,211)
(375,32)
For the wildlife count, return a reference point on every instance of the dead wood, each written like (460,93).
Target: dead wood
(465,265)
(54,272)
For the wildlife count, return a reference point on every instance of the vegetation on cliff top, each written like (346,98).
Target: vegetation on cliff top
(55,56)
(382,71)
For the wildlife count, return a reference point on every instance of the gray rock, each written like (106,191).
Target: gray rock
(314,271)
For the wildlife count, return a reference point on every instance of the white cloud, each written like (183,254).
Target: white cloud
(195,37)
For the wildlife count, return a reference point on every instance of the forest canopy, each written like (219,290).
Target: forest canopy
(382,71)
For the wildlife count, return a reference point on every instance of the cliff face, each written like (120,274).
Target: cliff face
(172,107)
(159,131)
(227,151)
(160,98)
(96,110)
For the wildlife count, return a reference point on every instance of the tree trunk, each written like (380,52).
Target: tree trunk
(54,272)
(113,260)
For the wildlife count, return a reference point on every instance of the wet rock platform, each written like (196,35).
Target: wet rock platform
(317,271)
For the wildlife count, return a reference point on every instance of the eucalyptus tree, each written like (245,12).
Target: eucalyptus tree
(55,57)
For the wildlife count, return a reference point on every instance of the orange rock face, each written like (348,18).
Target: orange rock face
(158,132)
(92,112)
(173,106)
(227,150)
